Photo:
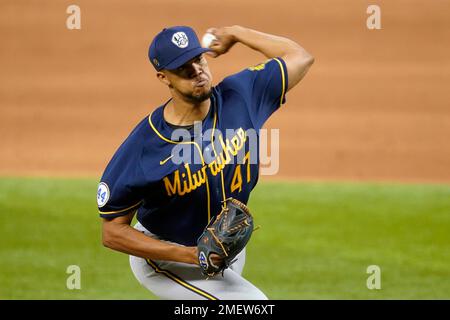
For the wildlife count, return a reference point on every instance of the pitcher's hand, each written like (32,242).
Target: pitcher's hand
(225,39)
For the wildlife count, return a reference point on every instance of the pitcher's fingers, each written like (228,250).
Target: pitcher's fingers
(212,30)
(214,43)
(212,54)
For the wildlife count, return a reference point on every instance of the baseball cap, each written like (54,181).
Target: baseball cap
(173,47)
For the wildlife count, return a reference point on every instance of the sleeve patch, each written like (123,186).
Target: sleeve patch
(102,194)
(258,67)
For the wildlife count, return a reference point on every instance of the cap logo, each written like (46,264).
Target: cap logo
(156,62)
(180,39)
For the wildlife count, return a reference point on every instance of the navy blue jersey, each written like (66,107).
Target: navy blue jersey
(176,200)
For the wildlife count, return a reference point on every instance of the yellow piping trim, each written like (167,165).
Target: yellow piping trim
(201,156)
(176,142)
(179,281)
(123,210)
(215,153)
(283,80)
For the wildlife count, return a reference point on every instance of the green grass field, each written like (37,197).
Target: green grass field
(316,241)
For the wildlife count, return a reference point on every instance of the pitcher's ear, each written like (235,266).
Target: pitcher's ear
(163,78)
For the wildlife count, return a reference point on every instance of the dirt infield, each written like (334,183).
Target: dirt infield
(375,106)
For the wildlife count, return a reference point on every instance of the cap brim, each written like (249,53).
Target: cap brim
(185,57)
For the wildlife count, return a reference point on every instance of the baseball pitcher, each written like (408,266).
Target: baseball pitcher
(186,171)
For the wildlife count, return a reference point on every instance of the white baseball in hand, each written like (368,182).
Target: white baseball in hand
(208,39)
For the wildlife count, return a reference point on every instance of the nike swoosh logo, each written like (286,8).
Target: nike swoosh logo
(165,160)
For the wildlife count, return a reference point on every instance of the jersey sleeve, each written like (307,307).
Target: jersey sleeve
(263,87)
(119,190)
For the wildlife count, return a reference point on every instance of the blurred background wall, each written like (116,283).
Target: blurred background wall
(375,105)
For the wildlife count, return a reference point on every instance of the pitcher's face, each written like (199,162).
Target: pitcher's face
(192,80)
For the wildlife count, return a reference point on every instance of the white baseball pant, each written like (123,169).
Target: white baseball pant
(182,281)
